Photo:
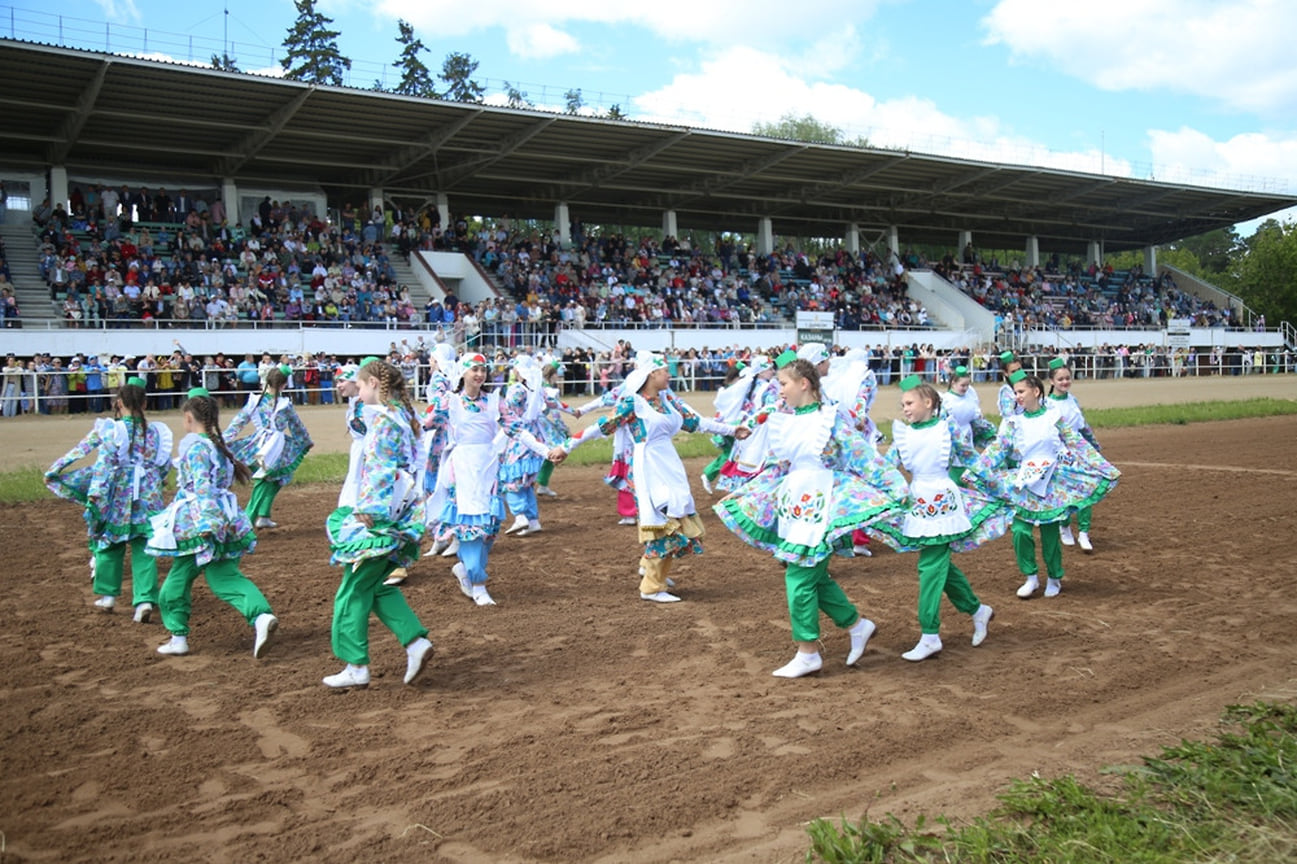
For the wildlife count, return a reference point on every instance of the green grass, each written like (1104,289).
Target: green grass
(1182,413)
(1231,800)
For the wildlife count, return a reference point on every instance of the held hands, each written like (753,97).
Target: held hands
(557,455)
(742,432)
(365,519)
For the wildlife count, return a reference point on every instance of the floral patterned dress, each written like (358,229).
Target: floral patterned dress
(524,406)
(122,490)
(279,440)
(386,491)
(623,446)
(938,511)
(1042,468)
(748,456)
(204,519)
(827,480)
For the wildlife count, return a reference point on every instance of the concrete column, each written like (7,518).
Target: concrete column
(58,187)
(1093,253)
(1033,251)
(375,200)
(851,236)
(443,209)
(894,240)
(765,236)
(1150,260)
(670,227)
(563,222)
(230,198)
(965,239)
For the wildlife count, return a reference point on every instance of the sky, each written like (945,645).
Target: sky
(1190,91)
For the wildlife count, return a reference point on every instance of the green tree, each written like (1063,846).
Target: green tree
(573,100)
(615,113)
(1267,272)
(1216,251)
(516,98)
(225,63)
(457,71)
(313,54)
(416,80)
(806,128)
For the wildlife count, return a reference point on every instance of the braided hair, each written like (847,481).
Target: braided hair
(276,380)
(132,397)
(391,389)
(205,410)
(800,370)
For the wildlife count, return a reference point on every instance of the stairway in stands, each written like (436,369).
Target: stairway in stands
(23,256)
(405,276)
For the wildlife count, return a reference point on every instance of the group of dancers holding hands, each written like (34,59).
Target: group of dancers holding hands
(803,476)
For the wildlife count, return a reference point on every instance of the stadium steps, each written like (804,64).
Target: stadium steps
(23,256)
(405,276)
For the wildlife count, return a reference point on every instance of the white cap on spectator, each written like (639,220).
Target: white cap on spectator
(813,352)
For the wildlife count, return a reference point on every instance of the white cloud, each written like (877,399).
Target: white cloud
(1236,52)
(119,10)
(539,41)
(767,23)
(742,86)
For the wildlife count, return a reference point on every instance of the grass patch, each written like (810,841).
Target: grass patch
(1182,413)
(1231,800)
(23,484)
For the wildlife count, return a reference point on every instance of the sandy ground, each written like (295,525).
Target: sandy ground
(575,722)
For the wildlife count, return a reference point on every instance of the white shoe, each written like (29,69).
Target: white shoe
(1083,540)
(461,575)
(519,524)
(417,655)
(178,646)
(265,625)
(106,603)
(546,491)
(481,596)
(264,522)
(143,613)
(659,597)
(1052,587)
(533,527)
(397,576)
(707,484)
(452,550)
(351,676)
(626,520)
(671,583)
(92,568)
(801,664)
(928,645)
(981,618)
(1029,587)
(859,633)
(1065,534)
(861,551)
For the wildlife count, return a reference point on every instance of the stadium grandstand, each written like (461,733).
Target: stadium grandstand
(149,203)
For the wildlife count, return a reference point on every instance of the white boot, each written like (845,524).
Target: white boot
(265,625)
(801,664)
(546,491)
(533,527)
(143,613)
(106,603)
(707,484)
(981,618)
(929,644)
(1065,534)
(519,523)
(417,655)
(1029,587)
(859,633)
(1083,540)
(452,550)
(178,646)
(1052,587)
(351,676)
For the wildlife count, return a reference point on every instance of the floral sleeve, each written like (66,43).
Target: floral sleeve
(511,414)
(693,421)
(378,467)
(200,464)
(88,445)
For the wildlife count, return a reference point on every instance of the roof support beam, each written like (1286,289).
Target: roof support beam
(572,185)
(252,143)
(719,180)
(470,167)
(389,170)
(76,121)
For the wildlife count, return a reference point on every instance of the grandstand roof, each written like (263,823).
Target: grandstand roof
(107,115)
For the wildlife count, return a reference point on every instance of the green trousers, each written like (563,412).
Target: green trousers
(1082,519)
(1051,549)
(362,591)
(261,499)
(223,577)
(811,590)
(110,564)
(713,469)
(546,471)
(938,575)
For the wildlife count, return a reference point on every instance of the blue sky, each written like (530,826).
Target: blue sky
(1181,90)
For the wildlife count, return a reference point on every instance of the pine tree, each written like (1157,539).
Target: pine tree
(225,63)
(457,72)
(416,80)
(574,101)
(313,54)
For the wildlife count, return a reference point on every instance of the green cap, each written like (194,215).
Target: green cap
(286,369)
(195,392)
(1057,363)
(136,381)
(785,358)
(1006,356)
(909,382)
(366,361)
(961,371)
(1017,376)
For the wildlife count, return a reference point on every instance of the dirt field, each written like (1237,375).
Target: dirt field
(575,722)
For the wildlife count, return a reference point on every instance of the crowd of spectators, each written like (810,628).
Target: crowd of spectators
(1069,296)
